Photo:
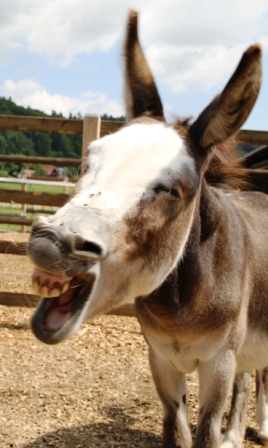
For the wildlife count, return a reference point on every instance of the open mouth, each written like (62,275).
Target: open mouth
(61,310)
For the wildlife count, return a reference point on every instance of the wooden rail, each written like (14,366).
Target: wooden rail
(253,137)
(53,125)
(90,127)
(73,126)
(250,137)
(18,220)
(12,247)
(40,211)
(33,197)
(40,160)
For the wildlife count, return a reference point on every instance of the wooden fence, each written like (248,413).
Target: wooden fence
(91,129)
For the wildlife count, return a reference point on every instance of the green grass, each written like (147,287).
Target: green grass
(11,209)
(16,211)
(33,187)
(13,228)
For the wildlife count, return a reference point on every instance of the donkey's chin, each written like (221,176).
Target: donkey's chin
(64,308)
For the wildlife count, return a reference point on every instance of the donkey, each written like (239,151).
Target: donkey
(158,220)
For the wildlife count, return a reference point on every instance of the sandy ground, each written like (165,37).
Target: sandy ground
(94,390)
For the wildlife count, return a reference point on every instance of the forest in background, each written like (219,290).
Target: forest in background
(46,145)
(38,143)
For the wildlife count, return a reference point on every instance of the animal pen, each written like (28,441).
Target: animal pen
(114,406)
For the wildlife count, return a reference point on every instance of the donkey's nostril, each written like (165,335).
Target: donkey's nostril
(88,246)
(87,250)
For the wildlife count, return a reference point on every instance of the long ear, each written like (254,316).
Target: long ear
(141,94)
(229,110)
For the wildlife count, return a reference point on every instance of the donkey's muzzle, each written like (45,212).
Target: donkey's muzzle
(70,241)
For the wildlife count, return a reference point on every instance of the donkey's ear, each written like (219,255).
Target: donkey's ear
(229,110)
(141,94)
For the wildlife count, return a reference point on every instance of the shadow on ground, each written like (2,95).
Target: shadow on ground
(116,432)
(10,326)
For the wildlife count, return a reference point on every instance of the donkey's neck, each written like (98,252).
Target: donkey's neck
(211,211)
(197,273)
(206,232)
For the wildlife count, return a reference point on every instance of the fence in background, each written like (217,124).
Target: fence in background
(91,128)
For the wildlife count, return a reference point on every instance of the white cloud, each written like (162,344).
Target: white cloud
(264,42)
(31,93)
(190,69)
(73,27)
(206,23)
(191,45)
(56,28)
(68,28)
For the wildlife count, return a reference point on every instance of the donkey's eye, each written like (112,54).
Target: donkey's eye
(159,189)
(170,191)
(174,192)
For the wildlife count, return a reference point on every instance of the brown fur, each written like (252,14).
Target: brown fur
(181,311)
(143,95)
(244,87)
(225,169)
(192,257)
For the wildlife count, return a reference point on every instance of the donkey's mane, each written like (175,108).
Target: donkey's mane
(225,169)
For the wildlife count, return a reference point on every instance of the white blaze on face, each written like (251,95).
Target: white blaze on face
(125,165)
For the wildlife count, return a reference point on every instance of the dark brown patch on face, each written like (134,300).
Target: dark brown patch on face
(193,300)
(151,226)
(184,398)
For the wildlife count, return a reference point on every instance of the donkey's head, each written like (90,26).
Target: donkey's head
(127,223)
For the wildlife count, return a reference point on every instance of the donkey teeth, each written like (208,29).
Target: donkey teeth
(36,288)
(65,287)
(44,291)
(55,292)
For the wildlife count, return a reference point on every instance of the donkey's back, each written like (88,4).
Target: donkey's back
(253,207)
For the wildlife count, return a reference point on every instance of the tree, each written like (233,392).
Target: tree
(39,170)
(65,146)
(42,144)
(3,145)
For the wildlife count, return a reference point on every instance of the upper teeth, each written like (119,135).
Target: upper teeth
(47,290)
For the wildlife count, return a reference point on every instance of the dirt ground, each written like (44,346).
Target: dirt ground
(94,390)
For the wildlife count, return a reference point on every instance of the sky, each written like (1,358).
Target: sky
(66,55)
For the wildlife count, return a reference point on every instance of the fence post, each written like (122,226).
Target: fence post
(91,131)
(23,208)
